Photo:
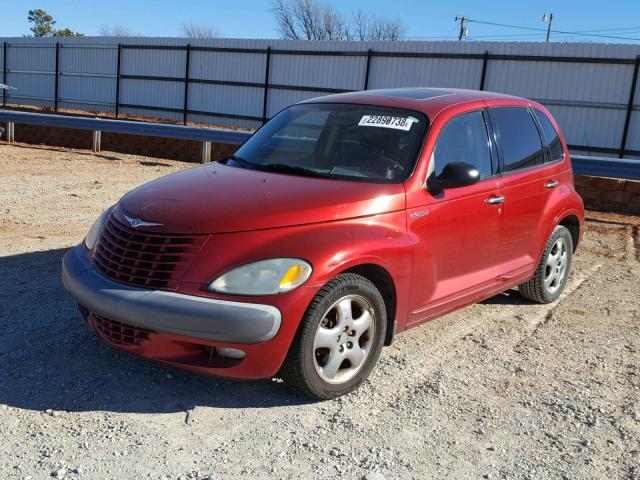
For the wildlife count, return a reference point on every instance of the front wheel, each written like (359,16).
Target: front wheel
(553,270)
(339,339)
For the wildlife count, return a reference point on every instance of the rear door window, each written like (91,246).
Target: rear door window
(551,137)
(464,139)
(519,137)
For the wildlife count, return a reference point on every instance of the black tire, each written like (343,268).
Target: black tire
(299,369)
(536,289)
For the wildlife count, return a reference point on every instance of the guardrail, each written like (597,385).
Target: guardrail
(582,165)
(606,167)
(99,125)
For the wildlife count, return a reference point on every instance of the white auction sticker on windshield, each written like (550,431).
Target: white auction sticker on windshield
(387,121)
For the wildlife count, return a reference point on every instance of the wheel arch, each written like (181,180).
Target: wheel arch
(572,223)
(383,281)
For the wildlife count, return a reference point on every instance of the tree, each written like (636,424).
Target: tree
(314,20)
(194,30)
(309,20)
(334,25)
(371,27)
(116,31)
(65,32)
(42,23)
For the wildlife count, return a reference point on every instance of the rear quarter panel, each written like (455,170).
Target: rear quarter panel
(573,204)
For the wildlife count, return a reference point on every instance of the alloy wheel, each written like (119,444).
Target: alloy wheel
(344,339)
(556,266)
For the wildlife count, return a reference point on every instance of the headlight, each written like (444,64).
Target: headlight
(267,277)
(94,232)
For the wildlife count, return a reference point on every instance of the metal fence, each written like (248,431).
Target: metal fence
(590,88)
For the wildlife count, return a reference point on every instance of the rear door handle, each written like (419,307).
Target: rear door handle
(552,184)
(495,199)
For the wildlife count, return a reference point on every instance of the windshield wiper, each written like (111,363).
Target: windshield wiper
(241,161)
(283,167)
(274,167)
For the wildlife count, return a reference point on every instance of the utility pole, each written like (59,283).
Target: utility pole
(549,20)
(463,29)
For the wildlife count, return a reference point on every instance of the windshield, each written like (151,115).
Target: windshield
(356,142)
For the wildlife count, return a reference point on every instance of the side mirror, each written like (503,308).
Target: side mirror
(454,175)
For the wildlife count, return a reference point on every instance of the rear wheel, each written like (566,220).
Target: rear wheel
(339,339)
(553,270)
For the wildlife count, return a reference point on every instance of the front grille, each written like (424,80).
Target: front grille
(119,333)
(144,258)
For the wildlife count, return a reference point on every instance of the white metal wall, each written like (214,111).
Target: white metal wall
(589,100)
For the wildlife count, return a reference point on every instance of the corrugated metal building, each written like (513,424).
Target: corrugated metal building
(586,86)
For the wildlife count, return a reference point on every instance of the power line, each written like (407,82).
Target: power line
(431,37)
(521,35)
(489,37)
(596,35)
(584,34)
(610,29)
(560,33)
(507,26)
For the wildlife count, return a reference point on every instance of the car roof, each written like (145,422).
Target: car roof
(430,101)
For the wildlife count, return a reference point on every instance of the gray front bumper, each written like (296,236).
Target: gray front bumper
(198,317)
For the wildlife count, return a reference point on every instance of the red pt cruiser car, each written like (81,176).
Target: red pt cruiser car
(340,222)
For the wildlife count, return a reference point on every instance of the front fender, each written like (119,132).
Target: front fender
(330,247)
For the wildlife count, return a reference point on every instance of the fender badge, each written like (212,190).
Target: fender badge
(419,213)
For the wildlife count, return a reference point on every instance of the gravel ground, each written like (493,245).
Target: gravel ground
(502,389)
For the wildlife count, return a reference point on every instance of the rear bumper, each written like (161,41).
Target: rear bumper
(169,312)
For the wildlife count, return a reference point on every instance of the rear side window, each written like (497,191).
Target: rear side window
(464,139)
(551,137)
(519,137)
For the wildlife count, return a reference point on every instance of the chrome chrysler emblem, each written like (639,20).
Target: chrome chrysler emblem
(136,222)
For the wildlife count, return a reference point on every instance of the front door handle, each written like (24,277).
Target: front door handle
(495,199)
(552,184)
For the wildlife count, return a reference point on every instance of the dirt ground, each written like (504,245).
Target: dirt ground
(502,389)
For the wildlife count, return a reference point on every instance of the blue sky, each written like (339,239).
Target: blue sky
(424,19)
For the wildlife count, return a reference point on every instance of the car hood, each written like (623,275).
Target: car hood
(216,198)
